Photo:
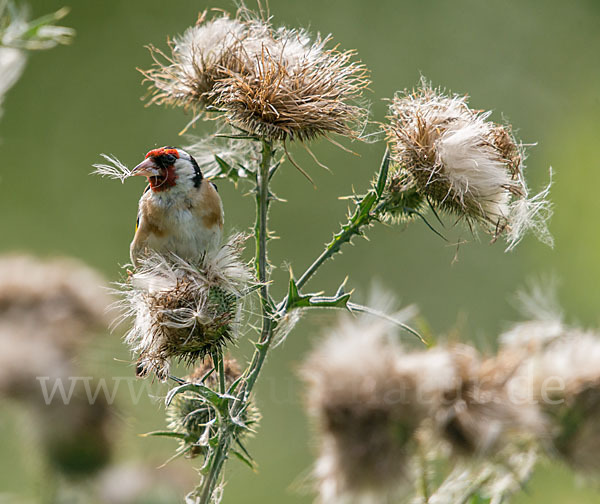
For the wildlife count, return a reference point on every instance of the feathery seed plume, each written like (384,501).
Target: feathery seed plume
(563,377)
(277,84)
(183,310)
(478,416)
(448,154)
(365,412)
(216,158)
(47,308)
(210,152)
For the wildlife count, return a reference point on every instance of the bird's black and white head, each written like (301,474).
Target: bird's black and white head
(168,168)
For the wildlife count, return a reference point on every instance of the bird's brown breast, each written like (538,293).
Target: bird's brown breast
(154,218)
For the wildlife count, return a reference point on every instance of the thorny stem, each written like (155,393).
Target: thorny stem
(362,216)
(261,232)
(226,429)
(366,211)
(348,231)
(208,485)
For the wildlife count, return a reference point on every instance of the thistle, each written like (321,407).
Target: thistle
(192,417)
(275,84)
(454,158)
(376,405)
(366,414)
(48,309)
(478,416)
(182,310)
(562,377)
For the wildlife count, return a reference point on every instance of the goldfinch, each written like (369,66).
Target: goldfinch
(180,211)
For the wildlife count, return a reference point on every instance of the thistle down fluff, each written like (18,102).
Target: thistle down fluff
(365,415)
(48,309)
(182,310)
(277,84)
(373,403)
(462,163)
(559,372)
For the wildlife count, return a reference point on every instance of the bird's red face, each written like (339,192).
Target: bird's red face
(159,168)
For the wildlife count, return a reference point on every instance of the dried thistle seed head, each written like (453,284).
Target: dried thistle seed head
(274,83)
(281,102)
(462,163)
(478,415)
(365,413)
(61,298)
(564,378)
(181,310)
(198,59)
(191,415)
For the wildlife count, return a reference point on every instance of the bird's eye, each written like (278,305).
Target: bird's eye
(170,159)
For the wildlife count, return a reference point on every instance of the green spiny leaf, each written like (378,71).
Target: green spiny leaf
(214,398)
(228,170)
(243,458)
(383,172)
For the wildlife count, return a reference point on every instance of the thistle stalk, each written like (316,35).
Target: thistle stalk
(227,429)
(261,262)
(215,469)
(363,215)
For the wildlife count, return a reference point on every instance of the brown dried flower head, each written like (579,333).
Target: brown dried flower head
(563,377)
(277,84)
(478,415)
(365,413)
(47,309)
(60,296)
(183,310)
(452,156)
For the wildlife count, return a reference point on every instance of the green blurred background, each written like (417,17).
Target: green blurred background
(535,63)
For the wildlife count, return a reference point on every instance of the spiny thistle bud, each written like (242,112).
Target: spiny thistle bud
(365,412)
(183,310)
(453,157)
(191,415)
(273,83)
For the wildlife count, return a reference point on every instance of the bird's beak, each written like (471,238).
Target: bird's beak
(146,168)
